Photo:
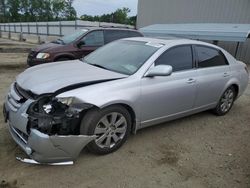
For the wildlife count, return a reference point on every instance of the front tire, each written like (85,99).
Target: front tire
(111,126)
(226,102)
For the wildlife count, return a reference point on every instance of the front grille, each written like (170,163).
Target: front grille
(15,98)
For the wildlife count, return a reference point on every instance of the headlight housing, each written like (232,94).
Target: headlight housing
(59,105)
(42,55)
(66,100)
(73,103)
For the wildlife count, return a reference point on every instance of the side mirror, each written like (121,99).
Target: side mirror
(160,70)
(81,43)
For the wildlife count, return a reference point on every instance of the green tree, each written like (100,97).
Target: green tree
(36,10)
(69,11)
(132,20)
(3,10)
(13,7)
(87,17)
(57,8)
(119,16)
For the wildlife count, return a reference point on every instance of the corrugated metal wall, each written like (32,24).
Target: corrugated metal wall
(198,11)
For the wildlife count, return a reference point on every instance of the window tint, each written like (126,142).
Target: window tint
(180,58)
(94,38)
(208,57)
(111,35)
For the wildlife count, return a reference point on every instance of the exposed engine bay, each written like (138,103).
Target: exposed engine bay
(53,116)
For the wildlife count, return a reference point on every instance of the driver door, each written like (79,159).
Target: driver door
(89,43)
(163,97)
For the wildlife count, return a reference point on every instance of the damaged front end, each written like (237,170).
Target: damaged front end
(47,128)
(56,116)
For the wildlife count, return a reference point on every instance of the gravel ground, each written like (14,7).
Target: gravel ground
(202,150)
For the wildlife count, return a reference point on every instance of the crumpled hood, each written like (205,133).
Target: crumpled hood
(48,78)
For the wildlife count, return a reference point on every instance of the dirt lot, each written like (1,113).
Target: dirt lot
(198,151)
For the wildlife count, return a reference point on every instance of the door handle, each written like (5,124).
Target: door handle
(226,74)
(190,80)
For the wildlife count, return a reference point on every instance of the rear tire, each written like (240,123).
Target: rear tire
(111,125)
(226,102)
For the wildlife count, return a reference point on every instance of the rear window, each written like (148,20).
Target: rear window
(209,57)
(111,35)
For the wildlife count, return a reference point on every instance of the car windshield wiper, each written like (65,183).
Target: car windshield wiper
(55,42)
(100,66)
(60,41)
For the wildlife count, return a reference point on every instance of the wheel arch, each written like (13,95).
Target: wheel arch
(70,56)
(131,111)
(235,83)
(236,87)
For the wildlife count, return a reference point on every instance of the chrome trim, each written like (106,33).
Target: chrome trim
(14,103)
(17,133)
(14,94)
(31,161)
(14,98)
(11,106)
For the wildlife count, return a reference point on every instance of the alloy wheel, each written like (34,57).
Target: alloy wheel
(110,130)
(227,100)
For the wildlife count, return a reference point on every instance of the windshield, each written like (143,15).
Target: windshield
(72,37)
(122,56)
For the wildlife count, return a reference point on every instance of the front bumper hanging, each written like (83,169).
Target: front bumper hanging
(40,147)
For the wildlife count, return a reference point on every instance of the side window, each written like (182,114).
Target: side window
(134,34)
(208,57)
(180,58)
(111,35)
(94,38)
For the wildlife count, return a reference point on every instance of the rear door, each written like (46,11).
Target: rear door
(90,42)
(163,96)
(214,73)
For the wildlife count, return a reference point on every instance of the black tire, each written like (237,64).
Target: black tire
(63,59)
(91,122)
(220,110)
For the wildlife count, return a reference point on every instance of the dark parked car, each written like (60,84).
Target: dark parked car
(77,45)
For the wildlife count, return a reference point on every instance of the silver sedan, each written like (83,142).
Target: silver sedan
(55,110)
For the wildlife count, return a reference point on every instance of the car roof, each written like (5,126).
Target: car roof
(170,41)
(111,28)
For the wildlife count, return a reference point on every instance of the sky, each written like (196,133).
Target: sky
(99,7)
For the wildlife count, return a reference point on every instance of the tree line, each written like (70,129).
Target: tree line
(36,10)
(55,10)
(119,16)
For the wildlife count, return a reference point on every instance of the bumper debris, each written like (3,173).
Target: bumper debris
(31,161)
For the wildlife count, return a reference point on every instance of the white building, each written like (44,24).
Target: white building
(198,11)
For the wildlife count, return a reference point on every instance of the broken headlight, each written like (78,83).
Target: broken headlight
(73,103)
(66,100)
(52,115)
(48,108)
